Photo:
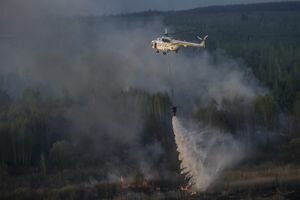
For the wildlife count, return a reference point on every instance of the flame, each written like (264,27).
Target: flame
(122,180)
(144,185)
(123,183)
(187,189)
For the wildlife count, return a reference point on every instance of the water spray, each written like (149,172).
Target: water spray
(204,153)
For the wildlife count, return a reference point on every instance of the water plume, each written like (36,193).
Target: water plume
(204,153)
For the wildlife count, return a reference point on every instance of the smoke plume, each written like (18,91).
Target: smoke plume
(92,61)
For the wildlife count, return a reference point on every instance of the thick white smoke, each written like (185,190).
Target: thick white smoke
(93,61)
(204,153)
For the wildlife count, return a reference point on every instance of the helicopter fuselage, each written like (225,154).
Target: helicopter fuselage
(164,44)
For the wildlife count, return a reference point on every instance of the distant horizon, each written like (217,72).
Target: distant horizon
(177,5)
(213,5)
(15,8)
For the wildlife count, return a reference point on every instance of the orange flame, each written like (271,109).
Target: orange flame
(187,189)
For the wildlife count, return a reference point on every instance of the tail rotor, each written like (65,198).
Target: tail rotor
(202,43)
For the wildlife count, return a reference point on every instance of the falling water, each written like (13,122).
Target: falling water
(204,154)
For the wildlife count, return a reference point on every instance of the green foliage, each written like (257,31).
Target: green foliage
(5,101)
(61,155)
(25,129)
(294,148)
(34,130)
(265,111)
(212,116)
(266,38)
(43,164)
(294,122)
(296,107)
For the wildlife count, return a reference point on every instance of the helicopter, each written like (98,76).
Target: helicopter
(167,43)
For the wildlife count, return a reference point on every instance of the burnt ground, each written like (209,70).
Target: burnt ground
(90,185)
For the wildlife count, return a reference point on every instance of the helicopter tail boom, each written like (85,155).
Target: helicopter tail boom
(202,43)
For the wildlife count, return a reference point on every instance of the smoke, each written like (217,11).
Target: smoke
(204,153)
(93,61)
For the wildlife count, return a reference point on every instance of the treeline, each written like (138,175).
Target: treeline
(35,132)
(36,135)
(265,36)
(28,128)
(259,124)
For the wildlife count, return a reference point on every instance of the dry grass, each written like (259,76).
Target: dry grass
(261,182)
(262,174)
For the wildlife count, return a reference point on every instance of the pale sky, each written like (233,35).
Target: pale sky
(99,7)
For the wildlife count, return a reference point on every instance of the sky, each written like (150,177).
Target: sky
(105,7)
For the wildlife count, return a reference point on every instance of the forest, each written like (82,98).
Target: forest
(39,136)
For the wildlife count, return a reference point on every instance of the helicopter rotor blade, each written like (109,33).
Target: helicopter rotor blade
(166,32)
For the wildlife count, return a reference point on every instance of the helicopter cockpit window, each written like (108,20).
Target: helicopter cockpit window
(166,40)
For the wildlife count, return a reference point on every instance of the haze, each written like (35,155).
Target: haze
(105,7)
